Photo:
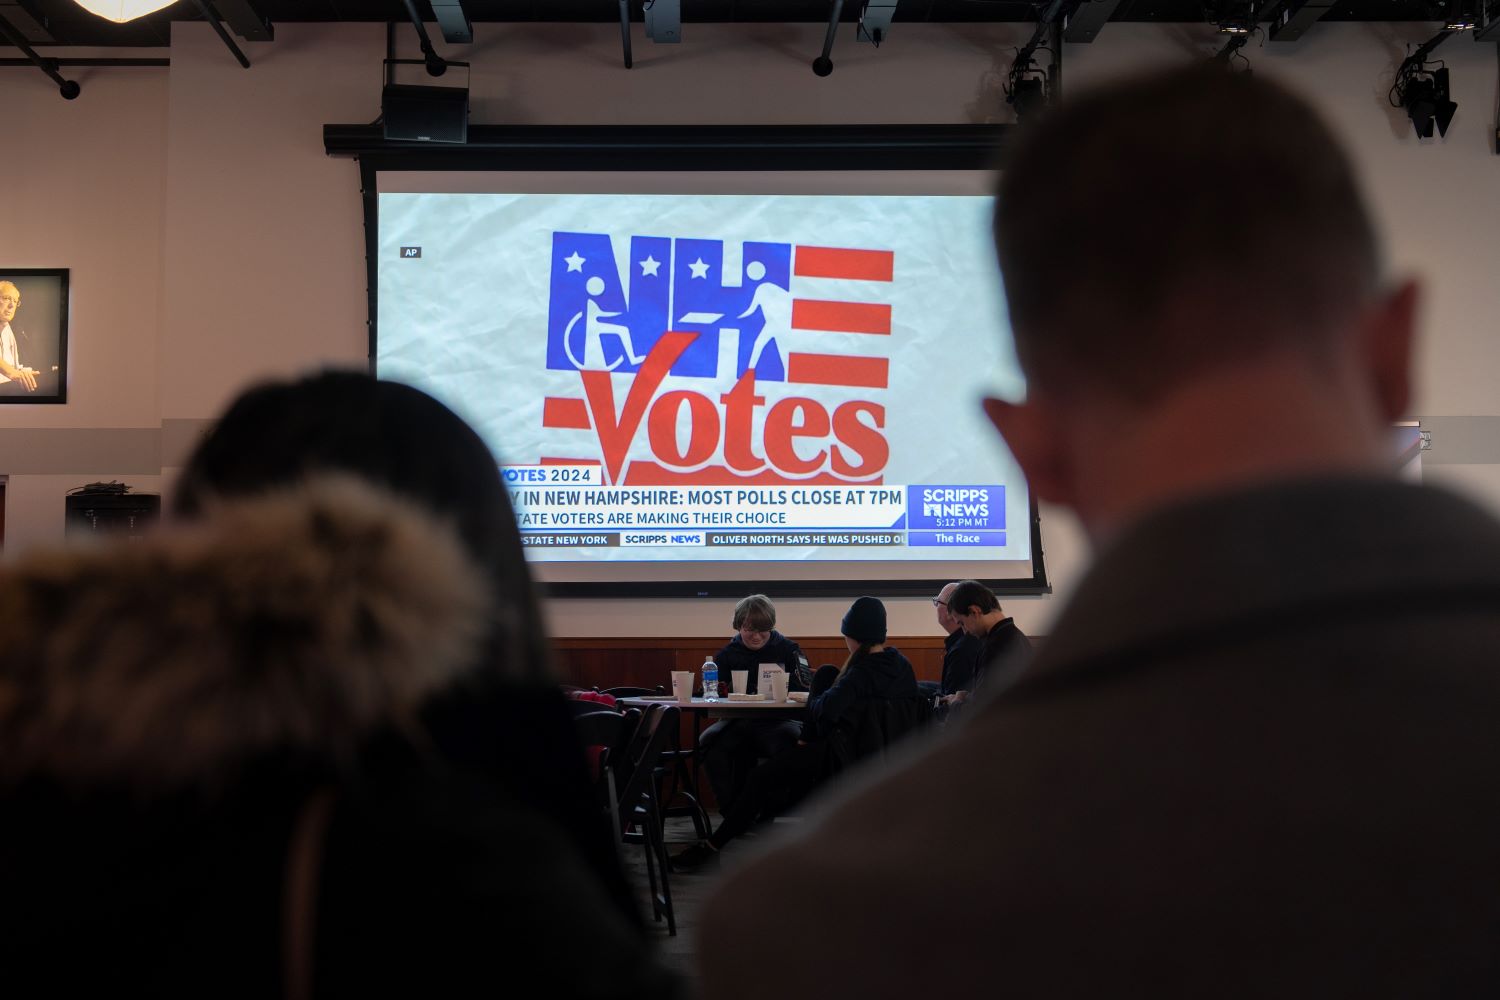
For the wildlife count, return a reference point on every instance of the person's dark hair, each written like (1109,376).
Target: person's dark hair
(756,611)
(972,593)
(1163,225)
(394,436)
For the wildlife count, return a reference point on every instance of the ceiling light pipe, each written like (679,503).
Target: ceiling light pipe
(625,31)
(436,65)
(67,88)
(823,65)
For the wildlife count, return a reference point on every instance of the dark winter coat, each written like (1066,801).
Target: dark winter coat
(170,709)
(778,649)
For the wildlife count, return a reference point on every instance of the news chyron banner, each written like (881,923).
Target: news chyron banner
(717,377)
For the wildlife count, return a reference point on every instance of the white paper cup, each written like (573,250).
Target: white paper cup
(767,687)
(682,686)
(778,690)
(741,679)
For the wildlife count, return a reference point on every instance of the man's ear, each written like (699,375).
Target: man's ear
(1389,336)
(1035,439)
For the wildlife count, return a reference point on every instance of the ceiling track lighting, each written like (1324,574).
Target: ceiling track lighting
(1027,88)
(1422,90)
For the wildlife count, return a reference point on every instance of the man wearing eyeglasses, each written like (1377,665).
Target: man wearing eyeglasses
(960,650)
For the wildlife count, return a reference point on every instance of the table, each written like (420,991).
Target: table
(718,709)
(722,708)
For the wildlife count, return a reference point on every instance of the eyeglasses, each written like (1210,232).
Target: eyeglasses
(748,630)
(939,603)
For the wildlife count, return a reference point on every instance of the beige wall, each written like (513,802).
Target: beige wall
(212,243)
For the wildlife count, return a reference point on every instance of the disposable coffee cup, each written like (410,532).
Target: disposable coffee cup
(741,680)
(682,686)
(767,687)
(778,681)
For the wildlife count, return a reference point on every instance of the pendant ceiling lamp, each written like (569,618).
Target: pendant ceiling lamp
(121,11)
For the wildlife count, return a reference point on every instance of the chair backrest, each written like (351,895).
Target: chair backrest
(631,692)
(632,741)
(875,725)
(652,737)
(599,728)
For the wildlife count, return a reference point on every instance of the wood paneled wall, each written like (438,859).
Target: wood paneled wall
(634,661)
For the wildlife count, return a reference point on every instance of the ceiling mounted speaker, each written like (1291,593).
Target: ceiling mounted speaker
(425,114)
(121,11)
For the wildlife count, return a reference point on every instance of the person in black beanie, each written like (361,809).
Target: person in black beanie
(873,671)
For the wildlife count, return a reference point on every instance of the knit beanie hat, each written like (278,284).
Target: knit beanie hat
(865,622)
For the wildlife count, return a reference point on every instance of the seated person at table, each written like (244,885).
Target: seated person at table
(960,651)
(1004,648)
(732,747)
(873,672)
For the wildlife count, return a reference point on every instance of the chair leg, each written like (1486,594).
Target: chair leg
(612,802)
(650,836)
(665,900)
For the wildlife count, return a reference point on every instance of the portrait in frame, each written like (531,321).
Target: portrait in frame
(33,335)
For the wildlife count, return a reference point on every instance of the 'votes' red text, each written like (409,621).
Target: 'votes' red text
(851,445)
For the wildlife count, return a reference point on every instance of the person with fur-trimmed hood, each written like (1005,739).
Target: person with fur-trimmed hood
(303,743)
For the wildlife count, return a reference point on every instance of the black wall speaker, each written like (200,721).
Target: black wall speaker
(130,514)
(425,114)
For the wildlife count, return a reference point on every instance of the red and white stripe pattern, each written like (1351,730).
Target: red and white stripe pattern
(872,318)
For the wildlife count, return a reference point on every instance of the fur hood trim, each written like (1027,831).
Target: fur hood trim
(301,620)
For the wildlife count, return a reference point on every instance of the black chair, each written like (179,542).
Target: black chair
(640,809)
(604,728)
(684,799)
(875,726)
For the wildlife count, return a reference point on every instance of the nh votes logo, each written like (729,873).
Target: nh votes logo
(666,308)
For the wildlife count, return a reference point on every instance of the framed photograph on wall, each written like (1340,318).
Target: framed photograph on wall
(33,335)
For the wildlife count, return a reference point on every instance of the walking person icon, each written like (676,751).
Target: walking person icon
(775,305)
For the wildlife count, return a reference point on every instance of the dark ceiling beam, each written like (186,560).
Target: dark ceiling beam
(66,87)
(1086,20)
(211,15)
(244,20)
(453,21)
(1488,29)
(1295,18)
(30,28)
(695,147)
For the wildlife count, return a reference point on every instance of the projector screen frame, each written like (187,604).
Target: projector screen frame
(688,148)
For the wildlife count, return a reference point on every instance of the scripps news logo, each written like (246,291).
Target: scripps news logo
(721,382)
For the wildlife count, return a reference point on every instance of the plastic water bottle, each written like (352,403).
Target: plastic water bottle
(710,680)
